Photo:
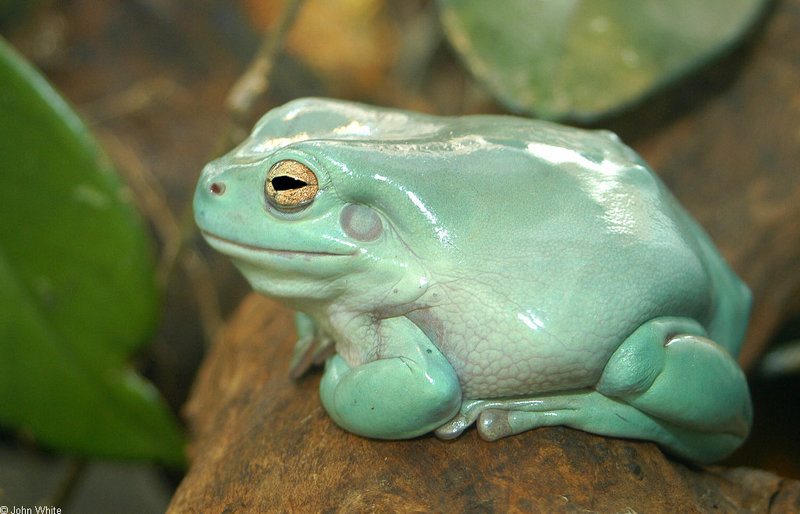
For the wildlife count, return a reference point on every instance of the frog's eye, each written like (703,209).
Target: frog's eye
(290,186)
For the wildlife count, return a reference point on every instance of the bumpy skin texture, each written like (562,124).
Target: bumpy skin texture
(512,272)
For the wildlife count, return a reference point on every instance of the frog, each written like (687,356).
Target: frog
(486,270)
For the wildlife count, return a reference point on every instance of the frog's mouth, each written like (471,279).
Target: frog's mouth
(226,245)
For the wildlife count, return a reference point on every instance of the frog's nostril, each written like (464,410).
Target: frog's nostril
(217,188)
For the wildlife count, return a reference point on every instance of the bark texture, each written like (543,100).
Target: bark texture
(263,443)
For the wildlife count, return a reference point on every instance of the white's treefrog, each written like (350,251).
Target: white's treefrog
(495,269)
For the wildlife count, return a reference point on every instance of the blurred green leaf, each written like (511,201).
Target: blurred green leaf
(77,295)
(584,59)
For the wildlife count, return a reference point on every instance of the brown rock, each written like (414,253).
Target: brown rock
(263,443)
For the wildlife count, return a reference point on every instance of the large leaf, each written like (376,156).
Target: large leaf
(77,295)
(583,59)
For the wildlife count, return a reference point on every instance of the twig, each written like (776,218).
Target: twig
(254,82)
(139,96)
(69,481)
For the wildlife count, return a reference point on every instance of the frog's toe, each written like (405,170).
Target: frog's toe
(310,351)
(302,357)
(453,428)
(493,424)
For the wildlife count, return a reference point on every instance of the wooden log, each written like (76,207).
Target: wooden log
(263,443)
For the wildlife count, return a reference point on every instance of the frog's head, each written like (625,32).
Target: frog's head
(329,197)
(305,209)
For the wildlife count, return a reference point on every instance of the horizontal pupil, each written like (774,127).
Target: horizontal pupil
(286,183)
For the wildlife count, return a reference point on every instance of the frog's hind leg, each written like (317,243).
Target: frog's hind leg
(606,416)
(666,382)
(687,383)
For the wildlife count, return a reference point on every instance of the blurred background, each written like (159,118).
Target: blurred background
(152,78)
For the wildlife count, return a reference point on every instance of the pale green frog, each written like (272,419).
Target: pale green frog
(488,269)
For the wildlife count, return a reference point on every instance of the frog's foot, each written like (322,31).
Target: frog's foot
(313,346)
(665,383)
(499,418)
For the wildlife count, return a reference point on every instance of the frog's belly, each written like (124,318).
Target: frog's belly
(523,367)
(519,370)
(500,352)
(493,359)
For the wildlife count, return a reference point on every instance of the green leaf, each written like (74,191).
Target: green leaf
(585,59)
(77,294)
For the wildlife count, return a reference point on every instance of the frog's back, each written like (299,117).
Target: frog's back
(620,234)
(729,299)
(581,203)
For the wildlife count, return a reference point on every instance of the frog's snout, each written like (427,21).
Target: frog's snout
(211,190)
(213,181)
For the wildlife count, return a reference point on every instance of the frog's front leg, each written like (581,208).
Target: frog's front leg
(408,391)
(666,382)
